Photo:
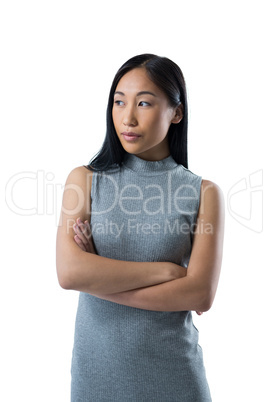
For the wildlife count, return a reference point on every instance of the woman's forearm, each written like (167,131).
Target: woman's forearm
(178,295)
(93,274)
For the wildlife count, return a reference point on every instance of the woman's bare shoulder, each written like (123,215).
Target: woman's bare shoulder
(79,176)
(212,188)
(77,190)
(80,171)
(210,184)
(211,197)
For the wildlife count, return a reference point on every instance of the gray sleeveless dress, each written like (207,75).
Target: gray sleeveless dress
(141,211)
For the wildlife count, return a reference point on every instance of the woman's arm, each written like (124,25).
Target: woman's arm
(88,272)
(197,290)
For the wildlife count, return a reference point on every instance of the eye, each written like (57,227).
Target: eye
(143,103)
(118,102)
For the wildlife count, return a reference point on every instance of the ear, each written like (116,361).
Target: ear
(178,114)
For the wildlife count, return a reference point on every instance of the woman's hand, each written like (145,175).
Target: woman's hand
(83,236)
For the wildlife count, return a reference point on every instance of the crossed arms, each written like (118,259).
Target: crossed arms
(159,286)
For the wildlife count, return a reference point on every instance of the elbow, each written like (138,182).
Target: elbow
(205,301)
(65,282)
(71,277)
(66,266)
(64,277)
(205,306)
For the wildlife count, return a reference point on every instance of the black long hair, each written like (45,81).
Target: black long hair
(168,77)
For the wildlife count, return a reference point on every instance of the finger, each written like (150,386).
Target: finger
(85,228)
(79,243)
(84,236)
(80,234)
(87,224)
(89,245)
(84,247)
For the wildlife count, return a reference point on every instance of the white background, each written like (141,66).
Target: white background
(58,59)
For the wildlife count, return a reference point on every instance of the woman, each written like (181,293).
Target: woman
(141,237)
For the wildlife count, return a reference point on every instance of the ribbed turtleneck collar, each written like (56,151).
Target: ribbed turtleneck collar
(142,166)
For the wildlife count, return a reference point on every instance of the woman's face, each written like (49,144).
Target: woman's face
(140,108)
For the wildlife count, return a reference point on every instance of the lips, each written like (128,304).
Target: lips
(130,134)
(131,137)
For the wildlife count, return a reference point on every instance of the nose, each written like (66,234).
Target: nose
(129,118)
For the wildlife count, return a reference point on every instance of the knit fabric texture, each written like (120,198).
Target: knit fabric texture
(141,211)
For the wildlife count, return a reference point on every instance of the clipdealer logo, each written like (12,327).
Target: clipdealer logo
(34,193)
(244,198)
(42,196)
(245,201)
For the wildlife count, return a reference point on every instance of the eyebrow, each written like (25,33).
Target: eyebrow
(138,94)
